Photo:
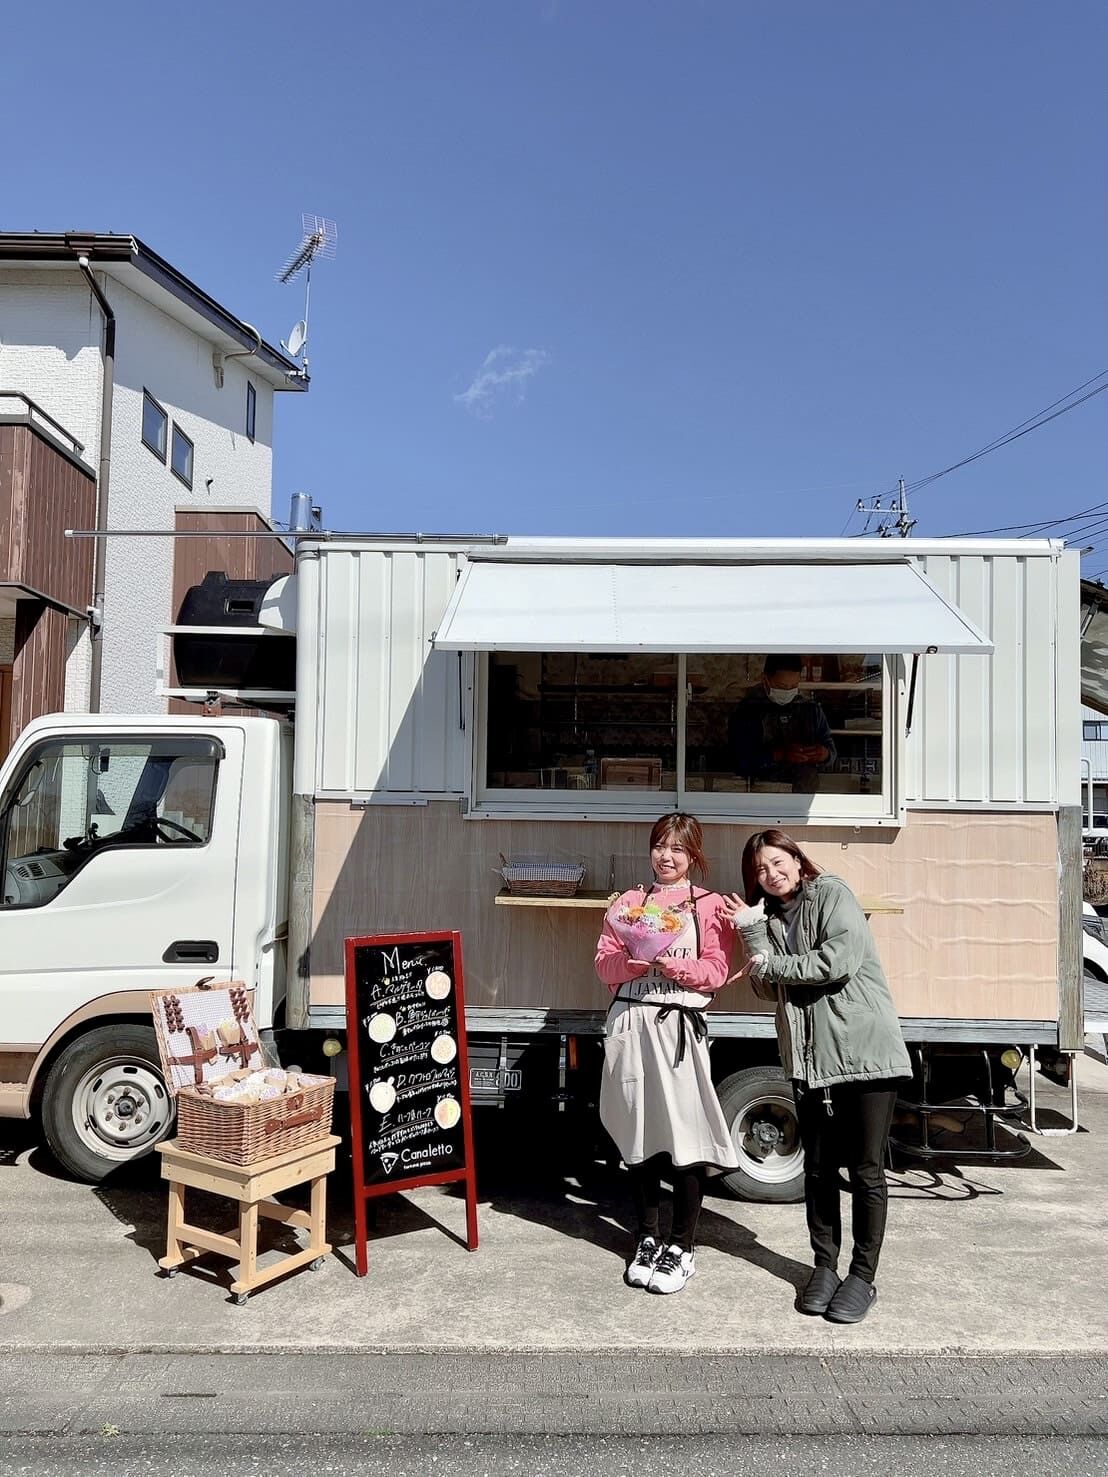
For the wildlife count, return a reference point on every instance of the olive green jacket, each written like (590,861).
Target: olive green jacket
(836,1021)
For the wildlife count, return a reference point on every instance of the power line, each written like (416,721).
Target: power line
(1095,525)
(1042,523)
(895,515)
(1033,423)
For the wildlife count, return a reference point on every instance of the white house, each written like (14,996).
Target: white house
(138,376)
(1094,767)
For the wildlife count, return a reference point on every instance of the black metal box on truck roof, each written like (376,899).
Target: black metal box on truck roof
(243,658)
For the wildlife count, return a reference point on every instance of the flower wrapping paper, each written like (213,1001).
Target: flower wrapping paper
(646,929)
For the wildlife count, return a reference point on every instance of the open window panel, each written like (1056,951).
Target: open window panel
(736,735)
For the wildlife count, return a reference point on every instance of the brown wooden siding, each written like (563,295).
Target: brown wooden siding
(5,710)
(38,672)
(42,493)
(238,558)
(394,868)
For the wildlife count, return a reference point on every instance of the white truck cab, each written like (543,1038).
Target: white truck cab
(136,853)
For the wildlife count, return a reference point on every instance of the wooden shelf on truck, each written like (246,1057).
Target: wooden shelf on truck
(588,899)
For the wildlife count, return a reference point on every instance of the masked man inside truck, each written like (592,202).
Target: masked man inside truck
(779,736)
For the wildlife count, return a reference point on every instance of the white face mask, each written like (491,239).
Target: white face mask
(781,695)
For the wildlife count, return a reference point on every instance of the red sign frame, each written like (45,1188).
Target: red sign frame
(362,1191)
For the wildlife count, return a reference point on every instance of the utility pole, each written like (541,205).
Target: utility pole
(894,517)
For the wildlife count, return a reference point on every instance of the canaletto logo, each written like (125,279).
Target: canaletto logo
(388,1162)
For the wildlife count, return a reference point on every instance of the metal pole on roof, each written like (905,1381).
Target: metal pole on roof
(904,524)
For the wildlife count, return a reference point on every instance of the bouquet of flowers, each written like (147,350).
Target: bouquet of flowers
(645,928)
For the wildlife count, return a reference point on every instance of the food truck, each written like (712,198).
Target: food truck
(449,713)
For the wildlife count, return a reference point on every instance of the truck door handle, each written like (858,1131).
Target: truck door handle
(192,951)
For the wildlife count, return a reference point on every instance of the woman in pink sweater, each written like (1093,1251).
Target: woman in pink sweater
(657,1099)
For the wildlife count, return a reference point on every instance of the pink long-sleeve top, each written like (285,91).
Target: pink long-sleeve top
(707,974)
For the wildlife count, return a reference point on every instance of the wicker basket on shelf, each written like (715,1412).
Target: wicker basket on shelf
(539,877)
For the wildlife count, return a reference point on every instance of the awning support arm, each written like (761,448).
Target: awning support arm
(912,690)
(911,693)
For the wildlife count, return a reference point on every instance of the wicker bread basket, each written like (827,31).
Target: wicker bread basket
(242,1133)
(204,1034)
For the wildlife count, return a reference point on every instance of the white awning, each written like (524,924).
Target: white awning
(499,605)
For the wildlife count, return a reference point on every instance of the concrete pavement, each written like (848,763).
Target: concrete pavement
(266,1395)
(979,1260)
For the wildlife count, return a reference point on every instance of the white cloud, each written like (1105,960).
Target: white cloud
(502,377)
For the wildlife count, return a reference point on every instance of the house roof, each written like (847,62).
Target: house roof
(145,272)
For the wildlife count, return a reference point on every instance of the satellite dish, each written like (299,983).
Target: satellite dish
(298,337)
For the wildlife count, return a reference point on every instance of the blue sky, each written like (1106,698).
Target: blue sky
(603,266)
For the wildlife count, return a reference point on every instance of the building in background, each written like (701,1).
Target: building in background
(129,399)
(1094,768)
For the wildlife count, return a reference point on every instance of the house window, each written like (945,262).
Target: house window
(1095,730)
(181,460)
(251,410)
(724,733)
(155,423)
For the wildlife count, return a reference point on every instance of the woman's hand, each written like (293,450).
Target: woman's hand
(636,968)
(754,962)
(673,969)
(733,909)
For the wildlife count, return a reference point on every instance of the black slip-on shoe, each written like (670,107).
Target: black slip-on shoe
(853,1300)
(818,1291)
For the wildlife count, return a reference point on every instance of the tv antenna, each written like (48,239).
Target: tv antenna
(319,237)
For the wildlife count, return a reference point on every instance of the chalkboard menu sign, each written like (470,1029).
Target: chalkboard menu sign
(409,1075)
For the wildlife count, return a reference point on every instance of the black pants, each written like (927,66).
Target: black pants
(853,1136)
(646,1194)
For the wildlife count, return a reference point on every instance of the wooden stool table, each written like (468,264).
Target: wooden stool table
(251,1185)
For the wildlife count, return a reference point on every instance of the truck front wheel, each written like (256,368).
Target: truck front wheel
(105,1102)
(761,1114)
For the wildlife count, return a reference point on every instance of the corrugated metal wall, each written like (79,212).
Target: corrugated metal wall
(986,730)
(392,712)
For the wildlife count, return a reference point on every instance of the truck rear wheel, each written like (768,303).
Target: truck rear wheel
(761,1114)
(105,1103)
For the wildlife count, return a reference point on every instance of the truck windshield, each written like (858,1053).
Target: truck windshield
(74,798)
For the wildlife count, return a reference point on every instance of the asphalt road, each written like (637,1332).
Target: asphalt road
(554,1456)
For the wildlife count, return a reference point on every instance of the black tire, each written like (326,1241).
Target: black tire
(761,1114)
(105,1102)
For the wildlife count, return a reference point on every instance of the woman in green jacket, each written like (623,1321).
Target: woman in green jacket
(809,948)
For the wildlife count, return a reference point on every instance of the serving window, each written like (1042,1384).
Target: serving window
(737,734)
(806,724)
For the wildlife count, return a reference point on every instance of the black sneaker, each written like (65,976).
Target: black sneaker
(853,1300)
(820,1288)
(647,1253)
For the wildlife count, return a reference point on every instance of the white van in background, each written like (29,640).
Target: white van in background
(1094,940)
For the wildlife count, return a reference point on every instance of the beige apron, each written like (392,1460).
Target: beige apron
(656,1093)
